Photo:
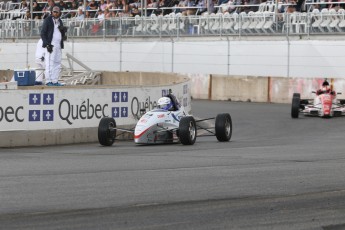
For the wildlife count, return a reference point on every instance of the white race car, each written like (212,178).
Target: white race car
(324,105)
(167,125)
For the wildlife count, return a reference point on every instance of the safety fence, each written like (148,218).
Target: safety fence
(324,22)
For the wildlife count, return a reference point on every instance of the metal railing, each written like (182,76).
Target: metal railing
(325,22)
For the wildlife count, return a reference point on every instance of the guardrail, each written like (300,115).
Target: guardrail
(325,22)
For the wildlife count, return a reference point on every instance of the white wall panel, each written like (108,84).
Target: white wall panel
(301,58)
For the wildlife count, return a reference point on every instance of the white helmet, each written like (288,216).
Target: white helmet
(164,103)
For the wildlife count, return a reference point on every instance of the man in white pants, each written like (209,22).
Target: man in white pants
(39,59)
(52,35)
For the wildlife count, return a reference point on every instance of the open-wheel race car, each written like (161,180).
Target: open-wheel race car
(325,104)
(169,123)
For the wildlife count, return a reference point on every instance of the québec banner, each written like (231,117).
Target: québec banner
(65,107)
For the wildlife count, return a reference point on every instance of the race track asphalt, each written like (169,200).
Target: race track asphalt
(275,173)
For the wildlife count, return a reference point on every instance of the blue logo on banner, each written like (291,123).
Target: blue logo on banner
(48,115)
(115,112)
(48,99)
(115,96)
(124,96)
(124,111)
(34,99)
(34,115)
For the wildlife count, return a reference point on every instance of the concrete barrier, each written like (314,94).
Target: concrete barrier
(41,115)
(258,89)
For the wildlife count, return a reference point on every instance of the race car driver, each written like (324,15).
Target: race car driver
(165,103)
(325,89)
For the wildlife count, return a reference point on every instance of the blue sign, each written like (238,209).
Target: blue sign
(34,99)
(48,99)
(48,115)
(34,115)
(124,96)
(115,96)
(124,111)
(115,112)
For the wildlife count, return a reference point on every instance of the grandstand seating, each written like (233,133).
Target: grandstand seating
(265,21)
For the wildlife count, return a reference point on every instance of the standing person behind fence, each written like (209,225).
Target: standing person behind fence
(52,35)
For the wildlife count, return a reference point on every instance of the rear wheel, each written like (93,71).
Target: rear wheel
(223,126)
(296,100)
(187,130)
(106,131)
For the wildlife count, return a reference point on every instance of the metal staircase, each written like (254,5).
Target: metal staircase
(85,76)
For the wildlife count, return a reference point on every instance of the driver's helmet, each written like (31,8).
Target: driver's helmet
(164,103)
(325,85)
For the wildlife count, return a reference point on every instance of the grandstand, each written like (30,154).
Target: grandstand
(274,40)
(236,19)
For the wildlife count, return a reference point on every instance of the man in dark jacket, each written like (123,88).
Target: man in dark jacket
(52,35)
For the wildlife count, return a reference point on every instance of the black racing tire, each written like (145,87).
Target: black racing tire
(106,131)
(223,127)
(296,100)
(187,130)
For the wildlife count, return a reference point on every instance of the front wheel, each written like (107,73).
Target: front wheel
(106,131)
(296,101)
(223,126)
(187,130)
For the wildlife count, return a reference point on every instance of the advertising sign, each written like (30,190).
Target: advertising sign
(65,107)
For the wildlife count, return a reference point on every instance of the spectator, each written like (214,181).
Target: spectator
(62,5)
(124,8)
(151,4)
(191,11)
(87,14)
(182,3)
(93,6)
(36,8)
(48,8)
(228,7)
(100,16)
(102,5)
(74,7)
(291,9)
(107,14)
(24,6)
(27,15)
(80,15)
(109,4)
(52,35)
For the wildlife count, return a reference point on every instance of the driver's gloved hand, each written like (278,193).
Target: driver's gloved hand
(50,48)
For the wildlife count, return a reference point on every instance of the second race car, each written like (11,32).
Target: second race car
(325,104)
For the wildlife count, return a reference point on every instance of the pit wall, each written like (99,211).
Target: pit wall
(41,115)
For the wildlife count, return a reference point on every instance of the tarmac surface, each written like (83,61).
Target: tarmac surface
(275,173)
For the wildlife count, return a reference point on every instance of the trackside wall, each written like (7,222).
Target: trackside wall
(41,115)
(258,89)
